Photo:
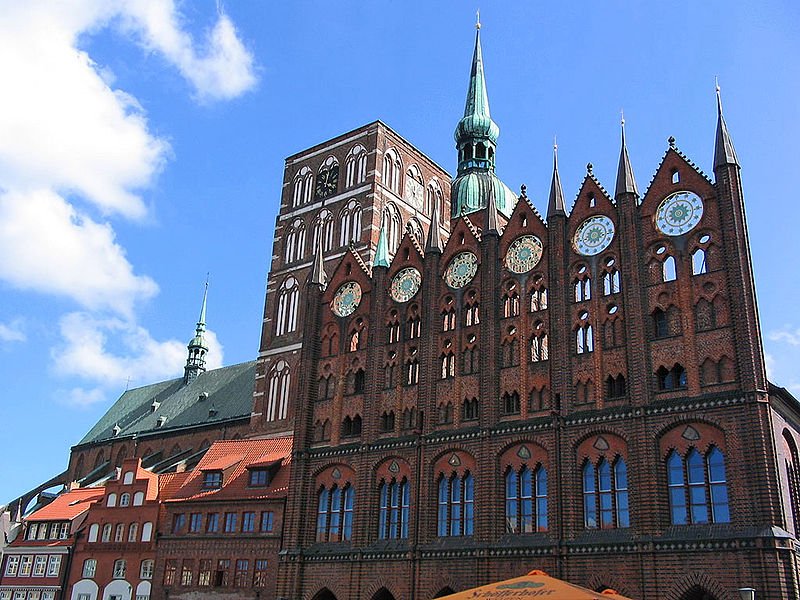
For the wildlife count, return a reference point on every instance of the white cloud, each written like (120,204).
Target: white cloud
(49,247)
(12,332)
(787,335)
(222,70)
(113,354)
(769,365)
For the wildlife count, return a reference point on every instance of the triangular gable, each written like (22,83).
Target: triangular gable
(462,237)
(350,268)
(690,178)
(524,220)
(408,254)
(591,192)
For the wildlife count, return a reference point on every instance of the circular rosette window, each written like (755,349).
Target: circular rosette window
(461,270)
(524,254)
(679,213)
(405,285)
(346,299)
(594,235)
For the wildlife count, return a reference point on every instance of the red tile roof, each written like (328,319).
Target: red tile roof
(170,483)
(235,484)
(67,506)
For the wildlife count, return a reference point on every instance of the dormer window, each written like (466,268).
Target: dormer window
(212,480)
(259,477)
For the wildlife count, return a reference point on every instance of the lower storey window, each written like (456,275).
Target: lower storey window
(242,573)
(221,574)
(605,495)
(456,514)
(526,500)
(335,513)
(698,490)
(260,573)
(204,573)
(394,509)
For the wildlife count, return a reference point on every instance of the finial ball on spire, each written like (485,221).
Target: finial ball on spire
(478,19)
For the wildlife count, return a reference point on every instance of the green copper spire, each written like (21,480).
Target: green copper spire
(476,141)
(382,251)
(196,361)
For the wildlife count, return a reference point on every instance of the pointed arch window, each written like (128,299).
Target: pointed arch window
(392,168)
(469,409)
(392,224)
(470,362)
(668,269)
(538,299)
(335,513)
(327,387)
(355,166)
(509,352)
(456,506)
(412,371)
(323,226)
(415,229)
(671,379)
(526,500)
(698,489)
(393,328)
(395,509)
(615,387)
(433,198)
(303,187)
(509,403)
(792,463)
(448,319)
(350,223)
(605,494)
(351,427)
(611,282)
(387,421)
(445,413)
(448,363)
(294,247)
(288,300)
(539,345)
(278,392)
(510,301)
(413,324)
(583,289)
(699,265)
(472,310)
(584,339)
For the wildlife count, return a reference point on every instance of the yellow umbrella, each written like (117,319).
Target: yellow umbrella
(536,584)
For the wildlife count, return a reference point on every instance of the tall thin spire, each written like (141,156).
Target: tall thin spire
(626,183)
(197,347)
(318,275)
(434,243)
(555,205)
(724,153)
(492,221)
(381,251)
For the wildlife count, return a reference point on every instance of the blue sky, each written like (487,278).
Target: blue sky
(142,146)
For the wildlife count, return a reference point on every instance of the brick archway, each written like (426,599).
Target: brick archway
(445,591)
(697,593)
(324,594)
(383,594)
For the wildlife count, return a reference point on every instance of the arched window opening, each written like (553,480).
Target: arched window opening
(456,512)
(335,513)
(699,262)
(469,409)
(355,166)
(538,299)
(444,413)
(698,489)
(392,224)
(509,403)
(351,427)
(327,387)
(472,310)
(448,363)
(537,399)
(605,494)
(278,392)
(413,325)
(615,387)
(511,302)
(387,421)
(303,187)
(394,510)
(409,418)
(412,371)
(539,346)
(288,305)
(448,319)
(584,339)
(392,168)
(323,230)
(526,500)
(791,461)
(350,223)
(671,379)
(470,362)
(294,246)
(668,270)
(583,289)
(611,282)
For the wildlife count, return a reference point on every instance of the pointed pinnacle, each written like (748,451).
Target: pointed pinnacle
(434,243)
(202,319)
(724,153)
(381,251)
(555,205)
(626,183)
(492,221)
(318,275)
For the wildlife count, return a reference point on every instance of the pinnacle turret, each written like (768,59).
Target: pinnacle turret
(318,275)
(555,205)
(626,183)
(381,251)
(724,153)
(434,243)
(196,360)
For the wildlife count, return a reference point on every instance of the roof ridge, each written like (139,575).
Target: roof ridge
(472,227)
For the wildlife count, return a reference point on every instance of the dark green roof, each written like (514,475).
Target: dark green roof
(229,392)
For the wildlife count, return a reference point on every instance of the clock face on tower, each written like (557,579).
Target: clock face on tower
(327,179)
(346,299)
(679,213)
(405,285)
(593,236)
(461,270)
(523,254)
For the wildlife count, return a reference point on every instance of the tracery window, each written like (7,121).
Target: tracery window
(509,349)
(350,223)
(509,403)
(510,301)
(448,362)
(394,511)
(539,346)
(469,409)
(278,392)
(792,463)
(698,490)
(387,421)
(470,362)
(611,282)
(294,246)
(433,198)
(393,327)
(472,310)
(335,513)
(615,386)
(392,168)
(392,224)
(605,494)
(351,427)
(538,299)
(412,371)
(583,289)
(413,323)
(445,413)
(456,505)
(322,231)
(303,187)
(699,262)
(355,166)
(526,500)
(668,269)
(327,387)
(288,301)
(584,339)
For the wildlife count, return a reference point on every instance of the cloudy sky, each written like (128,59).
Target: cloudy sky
(142,146)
